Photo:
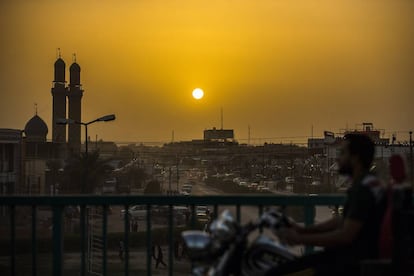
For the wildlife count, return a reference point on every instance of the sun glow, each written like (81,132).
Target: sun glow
(198,93)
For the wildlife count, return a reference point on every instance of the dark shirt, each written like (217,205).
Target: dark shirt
(365,203)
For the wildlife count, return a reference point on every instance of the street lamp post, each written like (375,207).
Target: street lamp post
(64,121)
(106,118)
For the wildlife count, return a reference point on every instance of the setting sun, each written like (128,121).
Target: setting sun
(198,93)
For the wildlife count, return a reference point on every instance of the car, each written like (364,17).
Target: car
(260,187)
(136,212)
(265,189)
(337,211)
(187,188)
(243,184)
(202,210)
(252,186)
(316,183)
(181,210)
(202,217)
(289,180)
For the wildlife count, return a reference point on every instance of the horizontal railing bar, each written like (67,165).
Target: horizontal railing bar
(299,200)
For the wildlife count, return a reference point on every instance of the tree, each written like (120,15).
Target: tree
(153,187)
(53,174)
(136,176)
(84,173)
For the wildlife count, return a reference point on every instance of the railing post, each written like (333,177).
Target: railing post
(149,240)
(83,238)
(104,239)
(260,214)
(57,241)
(34,242)
(170,241)
(126,240)
(309,220)
(13,240)
(193,215)
(238,215)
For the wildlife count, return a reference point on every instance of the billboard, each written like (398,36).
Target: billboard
(218,134)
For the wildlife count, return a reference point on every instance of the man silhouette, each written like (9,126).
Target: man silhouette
(349,239)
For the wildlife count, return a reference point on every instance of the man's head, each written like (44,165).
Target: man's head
(357,151)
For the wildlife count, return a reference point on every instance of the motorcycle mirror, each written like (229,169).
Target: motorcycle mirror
(222,231)
(224,228)
(197,243)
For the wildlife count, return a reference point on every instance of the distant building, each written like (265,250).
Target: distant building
(318,145)
(369,130)
(106,149)
(36,154)
(10,160)
(218,134)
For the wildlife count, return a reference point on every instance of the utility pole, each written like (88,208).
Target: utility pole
(221,112)
(169,181)
(312,132)
(248,135)
(178,174)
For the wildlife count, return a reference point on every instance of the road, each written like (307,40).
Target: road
(251,213)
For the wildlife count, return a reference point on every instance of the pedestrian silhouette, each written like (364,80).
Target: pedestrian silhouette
(121,250)
(160,257)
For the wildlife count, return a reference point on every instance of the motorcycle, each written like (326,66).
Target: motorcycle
(226,251)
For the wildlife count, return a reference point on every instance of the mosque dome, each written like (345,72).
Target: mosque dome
(36,129)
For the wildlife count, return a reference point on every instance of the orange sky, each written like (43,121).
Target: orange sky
(276,65)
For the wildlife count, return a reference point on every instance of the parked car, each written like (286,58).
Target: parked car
(202,210)
(260,187)
(202,217)
(161,214)
(252,186)
(185,193)
(243,184)
(136,212)
(187,188)
(289,180)
(265,189)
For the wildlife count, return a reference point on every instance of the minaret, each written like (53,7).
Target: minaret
(59,101)
(75,93)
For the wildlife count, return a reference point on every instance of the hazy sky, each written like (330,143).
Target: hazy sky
(276,65)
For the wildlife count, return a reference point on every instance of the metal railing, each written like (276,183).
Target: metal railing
(57,203)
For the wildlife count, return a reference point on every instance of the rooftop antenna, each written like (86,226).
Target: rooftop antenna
(248,134)
(74,57)
(35,106)
(312,131)
(221,111)
(58,55)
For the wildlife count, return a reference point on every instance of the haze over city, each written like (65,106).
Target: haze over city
(278,66)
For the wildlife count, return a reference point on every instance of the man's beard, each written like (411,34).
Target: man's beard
(345,170)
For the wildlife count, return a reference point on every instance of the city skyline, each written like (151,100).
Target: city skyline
(327,65)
